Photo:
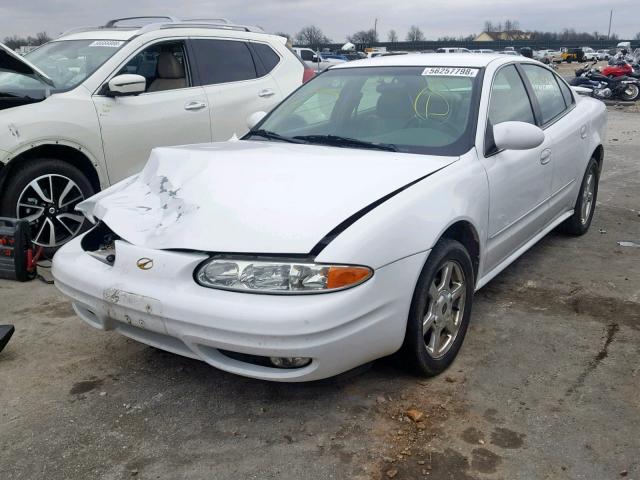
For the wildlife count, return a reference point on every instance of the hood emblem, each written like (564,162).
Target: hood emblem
(145,263)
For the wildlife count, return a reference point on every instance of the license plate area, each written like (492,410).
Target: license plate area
(135,310)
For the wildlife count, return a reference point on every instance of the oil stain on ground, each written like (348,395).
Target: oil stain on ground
(85,386)
(505,438)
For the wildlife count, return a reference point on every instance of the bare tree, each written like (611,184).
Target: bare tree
(366,37)
(42,37)
(311,36)
(637,37)
(392,36)
(415,34)
(488,26)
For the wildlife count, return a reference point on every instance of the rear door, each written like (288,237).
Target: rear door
(236,82)
(173,111)
(566,129)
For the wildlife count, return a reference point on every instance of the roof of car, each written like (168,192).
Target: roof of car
(430,60)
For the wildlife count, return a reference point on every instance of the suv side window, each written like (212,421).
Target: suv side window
(223,61)
(266,56)
(509,100)
(306,55)
(546,90)
(163,65)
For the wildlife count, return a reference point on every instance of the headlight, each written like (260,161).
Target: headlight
(276,276)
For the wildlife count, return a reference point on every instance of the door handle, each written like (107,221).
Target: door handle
(192,106)
(545,156)
(267,92)
(583,131)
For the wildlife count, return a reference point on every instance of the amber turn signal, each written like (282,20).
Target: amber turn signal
(341,277)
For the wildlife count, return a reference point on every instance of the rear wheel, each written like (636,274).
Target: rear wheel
(580,221)
(440,309)
(46,192)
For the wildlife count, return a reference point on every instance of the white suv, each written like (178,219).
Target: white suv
(84,111)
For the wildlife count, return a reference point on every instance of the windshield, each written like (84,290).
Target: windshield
(410,109)
(67,62)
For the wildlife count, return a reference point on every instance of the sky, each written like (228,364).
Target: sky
(336,18)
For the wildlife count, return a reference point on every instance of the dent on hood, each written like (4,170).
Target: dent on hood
(150,199)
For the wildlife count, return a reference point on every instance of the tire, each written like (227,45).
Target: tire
(631,93)
(448,313)
(579,223)
(70,186)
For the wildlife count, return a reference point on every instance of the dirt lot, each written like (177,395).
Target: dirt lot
(547,385)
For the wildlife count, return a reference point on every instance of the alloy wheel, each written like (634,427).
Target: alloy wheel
(445,309)
(588,193)
(48,202)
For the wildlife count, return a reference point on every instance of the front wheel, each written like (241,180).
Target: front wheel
(45,192)
(630,93)
(440,309)
(579,223)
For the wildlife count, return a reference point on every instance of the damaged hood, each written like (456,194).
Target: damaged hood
(251,196)
(10,61)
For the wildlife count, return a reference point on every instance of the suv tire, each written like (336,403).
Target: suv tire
(31,184)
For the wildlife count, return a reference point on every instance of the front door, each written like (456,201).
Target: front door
(170,112)
(519,181)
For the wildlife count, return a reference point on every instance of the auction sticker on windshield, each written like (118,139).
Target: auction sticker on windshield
(107,43)
(451,71)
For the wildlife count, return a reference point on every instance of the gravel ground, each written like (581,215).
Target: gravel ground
(547,385)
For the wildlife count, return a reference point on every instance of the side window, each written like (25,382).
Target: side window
(306,55)
(267,56)
(509,100)
(566,93)
(546,90)
(223,61)
(163,65)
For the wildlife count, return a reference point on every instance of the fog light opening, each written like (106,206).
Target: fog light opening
(289,362)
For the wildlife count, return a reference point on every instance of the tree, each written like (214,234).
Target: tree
(488,26)
(510,25)
(637,37)
(415,34)
(311,36)
(364,37)
(42,37)
(392,36)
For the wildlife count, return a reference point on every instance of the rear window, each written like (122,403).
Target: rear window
(223,61)
(266,56)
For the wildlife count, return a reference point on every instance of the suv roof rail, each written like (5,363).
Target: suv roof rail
(193,24)
(115,21)
(208,20)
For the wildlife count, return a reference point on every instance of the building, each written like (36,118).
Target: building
(508,35)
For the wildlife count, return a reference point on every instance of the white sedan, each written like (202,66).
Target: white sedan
(354,221)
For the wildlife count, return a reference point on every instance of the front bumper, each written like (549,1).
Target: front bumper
(164,307)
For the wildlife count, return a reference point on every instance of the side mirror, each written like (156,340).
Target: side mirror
(255,118)
(126,84)
(517,136)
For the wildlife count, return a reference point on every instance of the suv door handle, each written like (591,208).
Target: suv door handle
(195,106)
(545,156)
(583,131)
(267,92)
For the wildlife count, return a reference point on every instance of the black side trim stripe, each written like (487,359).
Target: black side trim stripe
(329,237)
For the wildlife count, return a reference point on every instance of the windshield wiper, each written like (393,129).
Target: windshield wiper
(273,136)
(346,142)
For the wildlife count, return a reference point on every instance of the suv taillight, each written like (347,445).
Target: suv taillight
(308,74)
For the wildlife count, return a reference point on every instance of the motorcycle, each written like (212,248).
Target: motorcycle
(622,69)
(603,87)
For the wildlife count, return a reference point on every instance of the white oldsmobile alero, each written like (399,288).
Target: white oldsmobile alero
(354,221)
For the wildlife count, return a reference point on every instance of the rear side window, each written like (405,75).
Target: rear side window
(509,99)
(546,90)
(566,92)
(306,55)
(223,61)
(267,57)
